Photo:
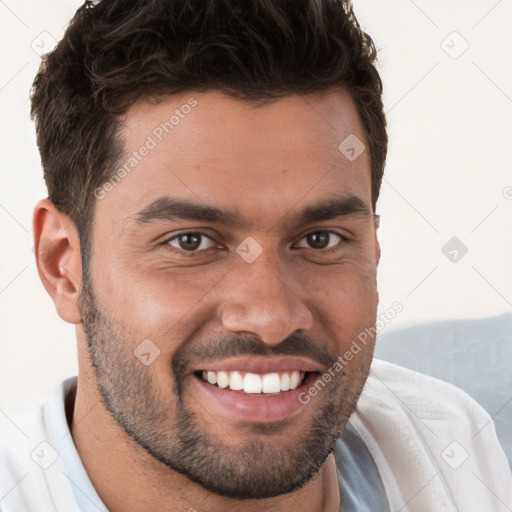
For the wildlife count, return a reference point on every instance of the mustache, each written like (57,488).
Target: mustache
(239,346)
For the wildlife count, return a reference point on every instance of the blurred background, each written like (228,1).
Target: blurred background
(446,200)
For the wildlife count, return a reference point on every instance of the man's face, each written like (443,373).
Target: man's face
(175,294)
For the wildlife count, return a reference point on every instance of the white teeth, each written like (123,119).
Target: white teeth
(271,383)
(252,383)
(285,382)
(255,383)
(236,382)
(294,380)
(222,379)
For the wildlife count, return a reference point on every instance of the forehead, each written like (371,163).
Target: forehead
(257,160)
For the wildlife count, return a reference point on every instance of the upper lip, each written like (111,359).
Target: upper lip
(267,364)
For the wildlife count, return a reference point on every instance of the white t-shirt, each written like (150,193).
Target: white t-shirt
(413,444)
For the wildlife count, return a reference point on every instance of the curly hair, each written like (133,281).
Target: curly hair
(115,52)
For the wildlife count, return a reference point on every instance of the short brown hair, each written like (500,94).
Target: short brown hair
(116,51)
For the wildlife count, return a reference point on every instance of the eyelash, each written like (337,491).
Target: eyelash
(196,252)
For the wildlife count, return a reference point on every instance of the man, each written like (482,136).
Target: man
(213,170)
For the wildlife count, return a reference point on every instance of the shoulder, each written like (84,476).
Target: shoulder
(20,435)
(435,409)
(31,468)
(423,395)
(426,433)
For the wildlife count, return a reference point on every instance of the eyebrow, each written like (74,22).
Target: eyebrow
(171,209)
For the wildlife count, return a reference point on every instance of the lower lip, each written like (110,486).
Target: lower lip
(237,405)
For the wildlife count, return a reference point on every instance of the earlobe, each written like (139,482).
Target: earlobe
(57,250)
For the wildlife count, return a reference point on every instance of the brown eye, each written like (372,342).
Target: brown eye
(321,240)
(190,241)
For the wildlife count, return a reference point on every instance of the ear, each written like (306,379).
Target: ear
(57,250)
(376,219)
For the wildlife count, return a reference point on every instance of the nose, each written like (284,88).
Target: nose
(258,300)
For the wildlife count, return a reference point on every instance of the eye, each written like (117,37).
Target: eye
(322,240)
(191,241)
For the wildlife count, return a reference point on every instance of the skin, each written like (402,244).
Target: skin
(266,163)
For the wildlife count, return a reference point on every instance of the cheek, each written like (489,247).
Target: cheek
(344,302)
(160,305)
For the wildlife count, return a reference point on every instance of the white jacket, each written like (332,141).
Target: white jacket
(435,448)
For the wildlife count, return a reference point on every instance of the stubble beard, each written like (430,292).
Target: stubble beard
(165,426)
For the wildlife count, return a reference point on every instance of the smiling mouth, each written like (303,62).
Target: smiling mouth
(254,383)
